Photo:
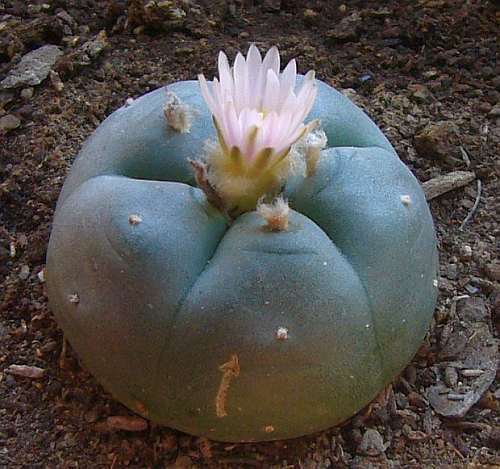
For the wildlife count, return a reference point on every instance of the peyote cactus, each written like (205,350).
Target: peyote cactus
(219,315)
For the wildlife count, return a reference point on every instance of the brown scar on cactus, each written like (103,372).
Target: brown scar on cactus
(275,214)
(230,370)
(178,114)
(141,408)
(200,171)
(64,353)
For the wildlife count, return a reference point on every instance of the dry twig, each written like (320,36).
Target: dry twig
(469,216)
(440,185)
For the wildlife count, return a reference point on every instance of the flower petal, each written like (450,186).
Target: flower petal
(240,75)
(231,125)
(287,80)
(226,79)
(256,109)
(272,60)
(271,93)
(254,68)
(205,92)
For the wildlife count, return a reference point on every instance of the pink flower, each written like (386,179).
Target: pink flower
(256,111)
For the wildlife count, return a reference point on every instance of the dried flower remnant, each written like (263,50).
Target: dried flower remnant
(275,214)
(179,115)
(307,150)
(258,117)
(201,177)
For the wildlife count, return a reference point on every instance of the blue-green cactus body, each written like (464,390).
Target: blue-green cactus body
(156,292)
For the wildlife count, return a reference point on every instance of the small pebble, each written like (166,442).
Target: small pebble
(56,81)
(168,442)
(26,111)
(465,252)
(91,416)
(41,275)
(365,79)
(493,271)
(411,374)
(27,93)
(310,16)
(372,443)
(416,400)
(349,93)
(9,122)
(452,271)
(495,111)
(420,93)
(25,272)
(183,462)
(451,376)
(484,107)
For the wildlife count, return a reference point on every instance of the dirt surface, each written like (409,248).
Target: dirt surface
(426,71)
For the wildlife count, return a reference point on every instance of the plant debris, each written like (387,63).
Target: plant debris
(468,346)
(25,371)
(127,423)
(448,182)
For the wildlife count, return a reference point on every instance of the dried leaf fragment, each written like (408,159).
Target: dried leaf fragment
(372,443)
(446,183)
(25,371)
(128,423)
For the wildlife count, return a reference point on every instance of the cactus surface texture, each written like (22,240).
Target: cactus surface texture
(229,330)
